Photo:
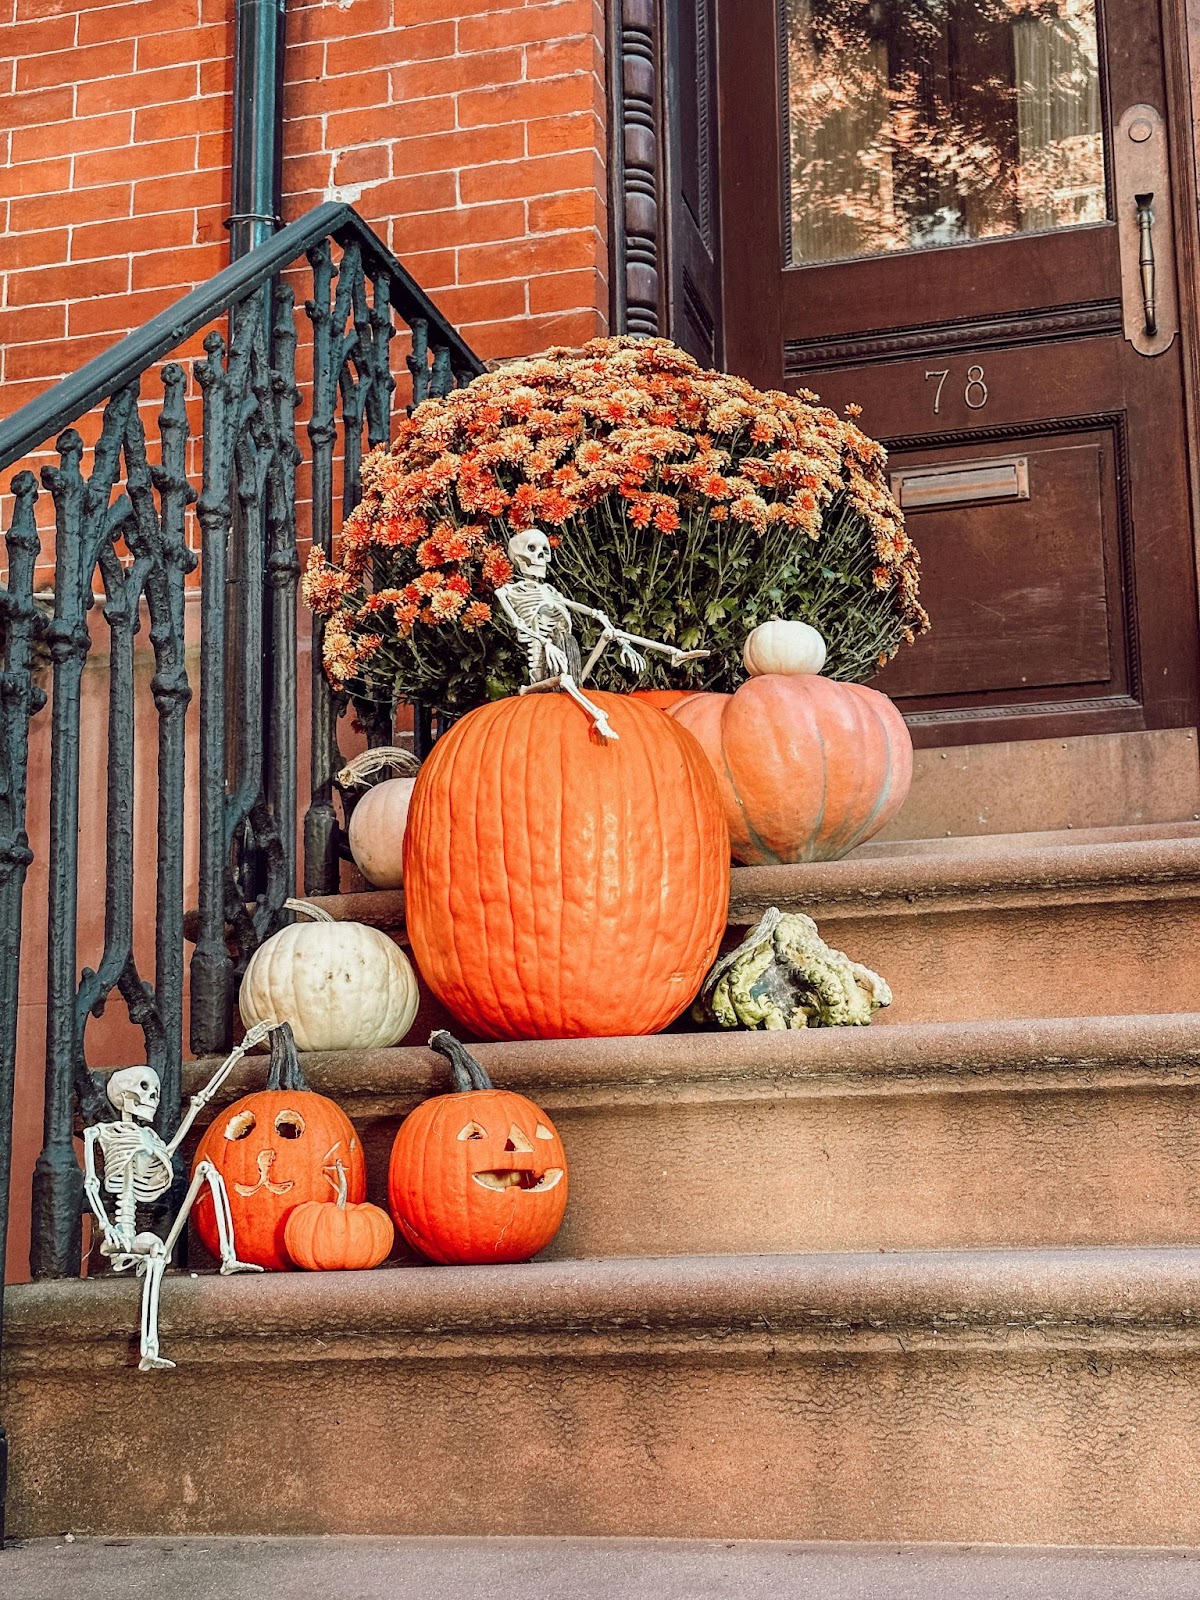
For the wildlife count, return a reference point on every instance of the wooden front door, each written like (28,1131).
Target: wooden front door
(962,216)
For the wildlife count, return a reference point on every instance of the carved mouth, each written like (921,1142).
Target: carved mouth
(512,1178)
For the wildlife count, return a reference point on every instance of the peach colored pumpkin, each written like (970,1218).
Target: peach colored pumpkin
(807,768)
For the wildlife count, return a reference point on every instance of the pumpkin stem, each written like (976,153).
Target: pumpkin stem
(284,1071)
(339,1184)
(307,909)
(468,1073)
(361,772)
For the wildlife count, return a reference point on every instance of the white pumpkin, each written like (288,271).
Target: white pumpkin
(341,985)
(376,832)
(791,648)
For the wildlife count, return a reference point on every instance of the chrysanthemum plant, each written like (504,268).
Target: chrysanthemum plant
(686,504)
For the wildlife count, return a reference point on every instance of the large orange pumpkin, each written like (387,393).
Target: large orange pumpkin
(275,1149)
(479,1175)
(807,768)
(558,885)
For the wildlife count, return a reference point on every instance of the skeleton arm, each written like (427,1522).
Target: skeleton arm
(254,1036)
(91,1187)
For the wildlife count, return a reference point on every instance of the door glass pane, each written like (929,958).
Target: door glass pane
(916,123)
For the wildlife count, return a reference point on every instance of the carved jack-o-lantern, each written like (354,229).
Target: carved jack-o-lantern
(478,1175)
(276,1149)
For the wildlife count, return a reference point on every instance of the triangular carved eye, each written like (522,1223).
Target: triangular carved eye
(542,1132)
(473,1131)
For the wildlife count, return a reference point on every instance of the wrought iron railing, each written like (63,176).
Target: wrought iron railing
(121,516)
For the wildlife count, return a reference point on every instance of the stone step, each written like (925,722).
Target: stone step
(1035,1397)
(1057,1132)
(1043,925)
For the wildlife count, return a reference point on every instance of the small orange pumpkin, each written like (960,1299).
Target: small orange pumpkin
(478,1175)
(559,885)
(321,1237)
(276,1149)
(807,767)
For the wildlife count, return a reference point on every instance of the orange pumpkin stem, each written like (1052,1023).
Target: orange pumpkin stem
(468,1073)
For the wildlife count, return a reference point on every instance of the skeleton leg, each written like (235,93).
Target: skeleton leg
(568,685)
(207,1173)
(155,1265)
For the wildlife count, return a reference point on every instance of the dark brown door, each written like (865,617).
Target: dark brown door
(958,214)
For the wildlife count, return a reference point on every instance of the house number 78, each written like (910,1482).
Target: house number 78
(975,395)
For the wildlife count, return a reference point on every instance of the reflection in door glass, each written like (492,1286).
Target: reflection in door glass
(917,123)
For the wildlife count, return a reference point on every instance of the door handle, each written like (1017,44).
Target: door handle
(1145,218)
(1143,206)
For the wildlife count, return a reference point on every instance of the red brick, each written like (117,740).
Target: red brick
(52,358)
(357,53)
(561,56)
(482,302)
(151,195)
(31,110)
(582,132)
(424,43)
(210,225)
(30,323)
(75,66)
(188,44)
(182,268)
(519,102)
(138,161)
(216,77)
(331,22)
(447,151)
(408,197)
(418,79)
(42,178)
(306,172)
(368,164)
(170,86)
(45,285)
(19,250)
(506,180)
(493,339)
(215,150)
(558,211)
(524,25)
(303,63)
(433,269)
(102,239)
(526,258)
(567,291)
(38,36)
(134,18)
(117,313)
(165,122)
(82,206)
(64,138)
(475,224)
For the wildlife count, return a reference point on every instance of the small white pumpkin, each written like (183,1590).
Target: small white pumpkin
(341,985)
(792,648)
(378,821)
(376,832)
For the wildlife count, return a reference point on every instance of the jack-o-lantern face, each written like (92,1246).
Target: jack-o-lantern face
(478,1176)
(275,1150)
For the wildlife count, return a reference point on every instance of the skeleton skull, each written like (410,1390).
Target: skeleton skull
(135,1090)
(530,553)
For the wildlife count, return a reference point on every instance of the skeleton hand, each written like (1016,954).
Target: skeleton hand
(557,664)
(680,656)
(630,658)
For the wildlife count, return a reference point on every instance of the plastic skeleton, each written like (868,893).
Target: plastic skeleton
(542,615)
(138,1170)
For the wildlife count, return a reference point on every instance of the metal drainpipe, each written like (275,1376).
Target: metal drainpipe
(257,123)
(257,195)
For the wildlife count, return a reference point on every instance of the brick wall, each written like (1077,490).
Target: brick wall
(469,132)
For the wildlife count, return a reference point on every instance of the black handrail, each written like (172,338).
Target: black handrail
(63,404)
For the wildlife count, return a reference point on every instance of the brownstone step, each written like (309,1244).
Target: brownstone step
(1056,1132)
(1048,1397)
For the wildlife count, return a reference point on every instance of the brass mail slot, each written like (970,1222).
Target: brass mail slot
(962,484)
